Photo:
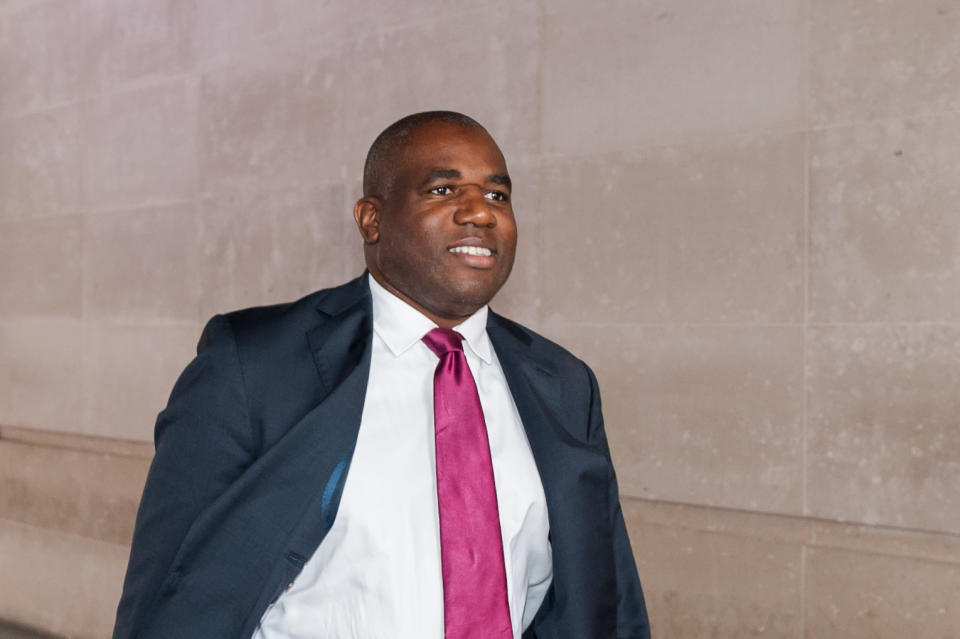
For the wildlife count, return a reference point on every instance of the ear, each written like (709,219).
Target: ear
(366,212)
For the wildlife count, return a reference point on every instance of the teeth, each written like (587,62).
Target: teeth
(471,250)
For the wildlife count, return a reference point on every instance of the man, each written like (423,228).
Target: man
(348,466)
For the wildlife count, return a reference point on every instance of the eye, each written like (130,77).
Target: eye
(499,196)
(442,190)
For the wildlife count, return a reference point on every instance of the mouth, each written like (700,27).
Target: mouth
(473,256)
(471,250)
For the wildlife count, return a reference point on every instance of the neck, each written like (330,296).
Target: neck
(443,321)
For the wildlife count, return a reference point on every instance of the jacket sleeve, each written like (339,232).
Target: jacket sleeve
(204,440)
(632,622)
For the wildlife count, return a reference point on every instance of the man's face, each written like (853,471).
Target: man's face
(446,235)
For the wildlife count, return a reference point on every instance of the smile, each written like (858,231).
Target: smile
(472,250)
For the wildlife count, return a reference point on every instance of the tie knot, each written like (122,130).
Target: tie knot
(443,340)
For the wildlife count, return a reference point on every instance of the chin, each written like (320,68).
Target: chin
(474,299)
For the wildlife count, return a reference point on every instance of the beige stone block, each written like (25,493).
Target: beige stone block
(884,229)
(897,542)
(433,65)
(39,164)
(703,584)
(76,441)
(883,419)
(128,373)
(851,571)
(495,17)
(272,247)
(140,146)
(142,265)
(620,74)
(41,55)
(137,40)
(272,123)
(40,260)
(767,527)
(232,31)
(15,6)
(706,415)
(82,493)
(59,583)
(40,368)
(864,596)
(229,30)
(689,234)
(871,60)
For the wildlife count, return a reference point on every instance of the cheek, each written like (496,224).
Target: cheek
(510,240)
(408,254)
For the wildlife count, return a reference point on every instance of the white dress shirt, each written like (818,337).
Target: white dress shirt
(377,573)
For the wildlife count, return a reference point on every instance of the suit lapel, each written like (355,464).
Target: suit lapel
(341,347)
(574,476)
(341,339)
(532,382)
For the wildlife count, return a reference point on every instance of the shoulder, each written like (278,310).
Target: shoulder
(264,323)
(551,373)
(268,350)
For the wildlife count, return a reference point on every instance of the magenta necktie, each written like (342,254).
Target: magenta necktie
(471,551)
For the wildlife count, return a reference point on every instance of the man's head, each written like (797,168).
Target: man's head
(436,215)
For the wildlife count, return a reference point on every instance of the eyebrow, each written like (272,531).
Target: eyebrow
(500,178)
(452,174)
(441,174)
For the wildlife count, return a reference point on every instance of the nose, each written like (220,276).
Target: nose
(473,208)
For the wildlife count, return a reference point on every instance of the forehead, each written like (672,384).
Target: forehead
(447,145)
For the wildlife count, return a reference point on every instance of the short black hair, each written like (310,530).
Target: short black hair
(377,177)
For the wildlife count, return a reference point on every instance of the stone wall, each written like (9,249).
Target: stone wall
(742,213)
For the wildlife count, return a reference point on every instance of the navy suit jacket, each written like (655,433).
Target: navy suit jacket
(255,443)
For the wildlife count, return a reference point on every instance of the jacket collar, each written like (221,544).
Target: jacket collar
(341,339)
(514,343)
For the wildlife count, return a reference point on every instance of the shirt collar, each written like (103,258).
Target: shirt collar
(400,326)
